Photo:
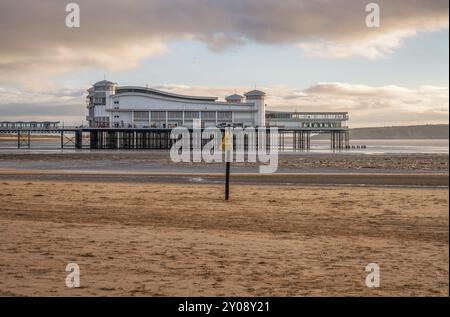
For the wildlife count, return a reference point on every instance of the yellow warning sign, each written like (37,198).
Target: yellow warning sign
(227,142)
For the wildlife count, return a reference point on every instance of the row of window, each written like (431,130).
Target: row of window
(28,124)
(99,101)
(322,125)
(178,115)
(285,115)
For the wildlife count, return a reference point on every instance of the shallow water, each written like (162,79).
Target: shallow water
(439,146)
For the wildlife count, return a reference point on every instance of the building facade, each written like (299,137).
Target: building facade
(308,120)
(113,106)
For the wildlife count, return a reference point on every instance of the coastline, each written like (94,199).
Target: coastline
(438,180)
(159,161)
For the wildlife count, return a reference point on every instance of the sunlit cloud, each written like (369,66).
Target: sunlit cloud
(380,46)
(37,49)
(119,35)
(368,105)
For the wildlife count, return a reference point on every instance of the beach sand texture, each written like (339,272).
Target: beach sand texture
(184,240)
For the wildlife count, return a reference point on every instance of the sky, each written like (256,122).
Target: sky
(307,55)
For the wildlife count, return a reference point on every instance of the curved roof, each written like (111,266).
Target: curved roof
(104,83)
(234,97)
(255,93)
(156,92)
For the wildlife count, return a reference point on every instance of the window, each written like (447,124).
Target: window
(208,115)
(191,115)
(175,115)
(141,115)
(158,115)
(99,101)
(224,115)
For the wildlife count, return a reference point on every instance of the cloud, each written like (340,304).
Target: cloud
(117,34)
(367,105)
(370,105)
(380,46)
(28,104)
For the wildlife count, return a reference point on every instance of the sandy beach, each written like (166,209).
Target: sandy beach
(136,229)
(137,239)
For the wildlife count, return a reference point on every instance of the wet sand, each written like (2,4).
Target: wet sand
(280,179)
(159,161)
(158,239)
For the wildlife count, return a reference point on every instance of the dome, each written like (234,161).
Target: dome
(255,93)
(234,98)
(104,83)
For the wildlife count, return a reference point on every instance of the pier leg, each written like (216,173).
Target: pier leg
(347,139)
(294,141)
(92,140)
(78,139)
(302,141)
(308,140)
(333,140)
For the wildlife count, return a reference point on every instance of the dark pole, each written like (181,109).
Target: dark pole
(227,181)
(226,145)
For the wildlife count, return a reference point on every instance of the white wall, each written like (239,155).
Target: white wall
(143,102)
(100,111)
(242,112)
(125,116)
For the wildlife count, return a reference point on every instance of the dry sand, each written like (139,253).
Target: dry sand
(172,239)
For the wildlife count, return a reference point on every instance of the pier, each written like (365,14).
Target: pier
(159,138)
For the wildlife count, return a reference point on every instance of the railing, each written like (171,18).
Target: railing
(306,117)
(41,128)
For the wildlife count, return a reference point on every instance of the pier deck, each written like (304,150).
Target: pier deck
(156,138)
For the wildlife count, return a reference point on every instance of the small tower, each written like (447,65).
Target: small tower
(234,98)
(98,100)
(257,98)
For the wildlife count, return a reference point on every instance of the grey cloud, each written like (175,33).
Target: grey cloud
(381,106)
(63,104)
(40,110)
(117,33)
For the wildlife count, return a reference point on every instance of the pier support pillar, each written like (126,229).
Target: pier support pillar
(78,139)
(23,140)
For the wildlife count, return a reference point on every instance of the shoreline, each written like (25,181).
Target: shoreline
(438,180)
(159,161)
